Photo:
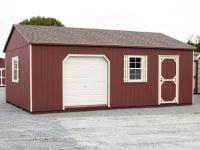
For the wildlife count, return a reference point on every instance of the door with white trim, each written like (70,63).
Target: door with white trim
(168,79)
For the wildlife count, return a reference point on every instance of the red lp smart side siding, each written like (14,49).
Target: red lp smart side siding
(2,63)
(18,93)
(47,76)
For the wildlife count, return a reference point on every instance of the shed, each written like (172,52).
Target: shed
(196,72)
(2,72)
(62,69)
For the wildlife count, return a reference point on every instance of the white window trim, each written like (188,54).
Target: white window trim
(143,68)
(16,58)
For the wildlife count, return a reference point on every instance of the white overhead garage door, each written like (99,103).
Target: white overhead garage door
(85,81)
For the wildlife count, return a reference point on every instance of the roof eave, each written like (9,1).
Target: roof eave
(107,45)
(8,38)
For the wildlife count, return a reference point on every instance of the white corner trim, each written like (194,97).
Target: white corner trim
(193,75)
(88,55)
(63,106)
(30,67)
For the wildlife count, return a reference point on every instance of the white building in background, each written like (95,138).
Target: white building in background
(2,72)
(196,80)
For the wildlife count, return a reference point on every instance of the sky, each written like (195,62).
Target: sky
(177,18)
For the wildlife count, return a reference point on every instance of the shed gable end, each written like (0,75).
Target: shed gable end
(15,41)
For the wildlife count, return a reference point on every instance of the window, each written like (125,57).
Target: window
(135,68)
(15,69)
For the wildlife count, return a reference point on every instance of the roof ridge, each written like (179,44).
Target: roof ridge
(85,28)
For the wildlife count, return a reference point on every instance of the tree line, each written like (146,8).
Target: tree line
(194,41)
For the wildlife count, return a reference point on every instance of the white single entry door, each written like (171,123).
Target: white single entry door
(168,79)
(85,81)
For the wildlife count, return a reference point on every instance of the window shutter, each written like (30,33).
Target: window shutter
(125,68)
(17,69)
(12,69)
(144,68)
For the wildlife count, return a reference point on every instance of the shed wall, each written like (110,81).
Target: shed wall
(47,76)
(18,93)
(2,63)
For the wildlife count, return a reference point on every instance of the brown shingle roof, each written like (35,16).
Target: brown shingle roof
(97,37)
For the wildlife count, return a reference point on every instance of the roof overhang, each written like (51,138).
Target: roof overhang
(90,45)
(5,46)
(118,46)
(9,36)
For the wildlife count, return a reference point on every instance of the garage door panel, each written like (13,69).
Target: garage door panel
(85,85)
(84,99)
(83,71)
(85,88)
(72,103)
(84,92)
(85,81)
(77,79)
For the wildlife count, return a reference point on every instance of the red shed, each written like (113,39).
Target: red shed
(59,68)
(2,72)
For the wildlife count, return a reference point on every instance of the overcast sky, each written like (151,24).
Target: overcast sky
(176,18)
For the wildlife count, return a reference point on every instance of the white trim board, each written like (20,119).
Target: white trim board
(89,55)
(30,67)
(193,74)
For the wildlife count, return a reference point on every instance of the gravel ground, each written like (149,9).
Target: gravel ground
(176,127)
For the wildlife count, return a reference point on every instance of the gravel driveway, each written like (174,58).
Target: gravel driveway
(176,127)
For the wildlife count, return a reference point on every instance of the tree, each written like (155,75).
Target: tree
(194,41)
(42,21)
